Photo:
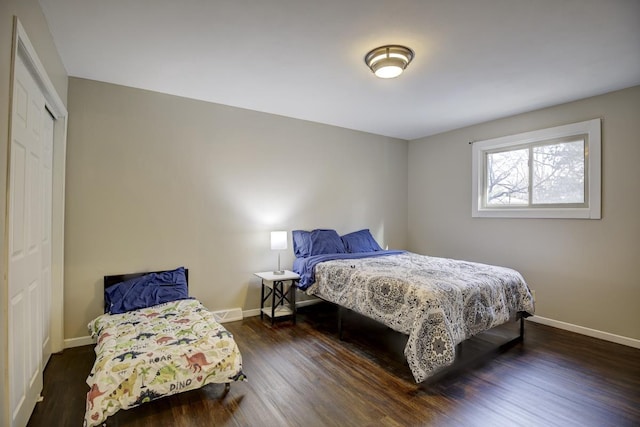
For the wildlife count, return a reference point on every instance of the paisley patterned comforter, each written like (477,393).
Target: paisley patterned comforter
(146,354)
(438,302)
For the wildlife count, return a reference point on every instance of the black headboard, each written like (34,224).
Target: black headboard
(117,278)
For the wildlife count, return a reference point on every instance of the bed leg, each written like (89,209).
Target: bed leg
(340,309)
(521,328)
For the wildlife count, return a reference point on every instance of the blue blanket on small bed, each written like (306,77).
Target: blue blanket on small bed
(305,267)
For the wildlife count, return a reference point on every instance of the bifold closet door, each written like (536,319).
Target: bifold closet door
(28,244)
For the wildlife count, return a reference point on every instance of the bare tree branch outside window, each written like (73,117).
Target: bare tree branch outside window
(508,178)
(557,174)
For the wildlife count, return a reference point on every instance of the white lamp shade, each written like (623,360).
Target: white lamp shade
(278,240)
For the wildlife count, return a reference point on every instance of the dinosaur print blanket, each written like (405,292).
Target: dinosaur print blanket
(158,351)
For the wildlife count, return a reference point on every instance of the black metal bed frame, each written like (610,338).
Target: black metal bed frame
(520,316)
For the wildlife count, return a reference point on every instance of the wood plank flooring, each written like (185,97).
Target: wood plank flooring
(302,375)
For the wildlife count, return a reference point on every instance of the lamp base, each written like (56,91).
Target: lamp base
(279,272)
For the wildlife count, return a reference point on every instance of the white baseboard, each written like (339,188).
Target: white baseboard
(78,342)
(253,312)
(618,339)
(230,315)
(304,303)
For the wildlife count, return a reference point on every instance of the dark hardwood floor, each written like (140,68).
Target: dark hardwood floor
(302,375)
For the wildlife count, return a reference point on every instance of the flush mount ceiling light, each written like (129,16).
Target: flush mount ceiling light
(388,61)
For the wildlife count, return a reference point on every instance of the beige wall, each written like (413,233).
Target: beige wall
(33,21)
(156,181)
(139,160)
(584,272)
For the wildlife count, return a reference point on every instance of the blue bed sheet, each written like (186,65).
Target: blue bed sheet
(305,267)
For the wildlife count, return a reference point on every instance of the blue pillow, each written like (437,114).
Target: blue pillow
(326,242)
(146,291)
(360,241)
(172,277)
(301,243)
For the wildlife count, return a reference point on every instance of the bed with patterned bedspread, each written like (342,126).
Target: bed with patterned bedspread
(145,354)
(438,302)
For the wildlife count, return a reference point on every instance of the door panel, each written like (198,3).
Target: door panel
(17,346)
(47,187)
(18,192)
(26,227)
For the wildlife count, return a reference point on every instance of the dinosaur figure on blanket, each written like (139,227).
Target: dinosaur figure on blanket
(167,315)
(151,315)
(223,333)
(126,387)
(92,394)
(127,355)
(104,337)
(165,374)
(186,332)
(196,362)
(182,341)
(143,336)
(163,340)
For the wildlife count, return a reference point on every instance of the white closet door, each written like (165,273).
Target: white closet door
(26,207)
(47,187)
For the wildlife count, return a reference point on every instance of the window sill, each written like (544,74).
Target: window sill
(577,213)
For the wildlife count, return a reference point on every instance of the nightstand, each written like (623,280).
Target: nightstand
(280,288)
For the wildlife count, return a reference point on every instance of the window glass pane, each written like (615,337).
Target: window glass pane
(507,178)
(558,173)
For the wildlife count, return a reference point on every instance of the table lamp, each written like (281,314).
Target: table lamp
(278,243)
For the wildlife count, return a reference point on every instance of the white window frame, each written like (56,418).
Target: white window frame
(592,206)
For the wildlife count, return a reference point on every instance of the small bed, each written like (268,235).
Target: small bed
(437,302)
(154,341)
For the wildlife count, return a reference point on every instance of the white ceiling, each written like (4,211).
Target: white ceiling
(476,60)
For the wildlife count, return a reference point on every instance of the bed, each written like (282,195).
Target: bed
(437,302)
(155,341)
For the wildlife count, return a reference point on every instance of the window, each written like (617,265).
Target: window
(548,173)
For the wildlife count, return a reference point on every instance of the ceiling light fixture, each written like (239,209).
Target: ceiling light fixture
(388,61)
